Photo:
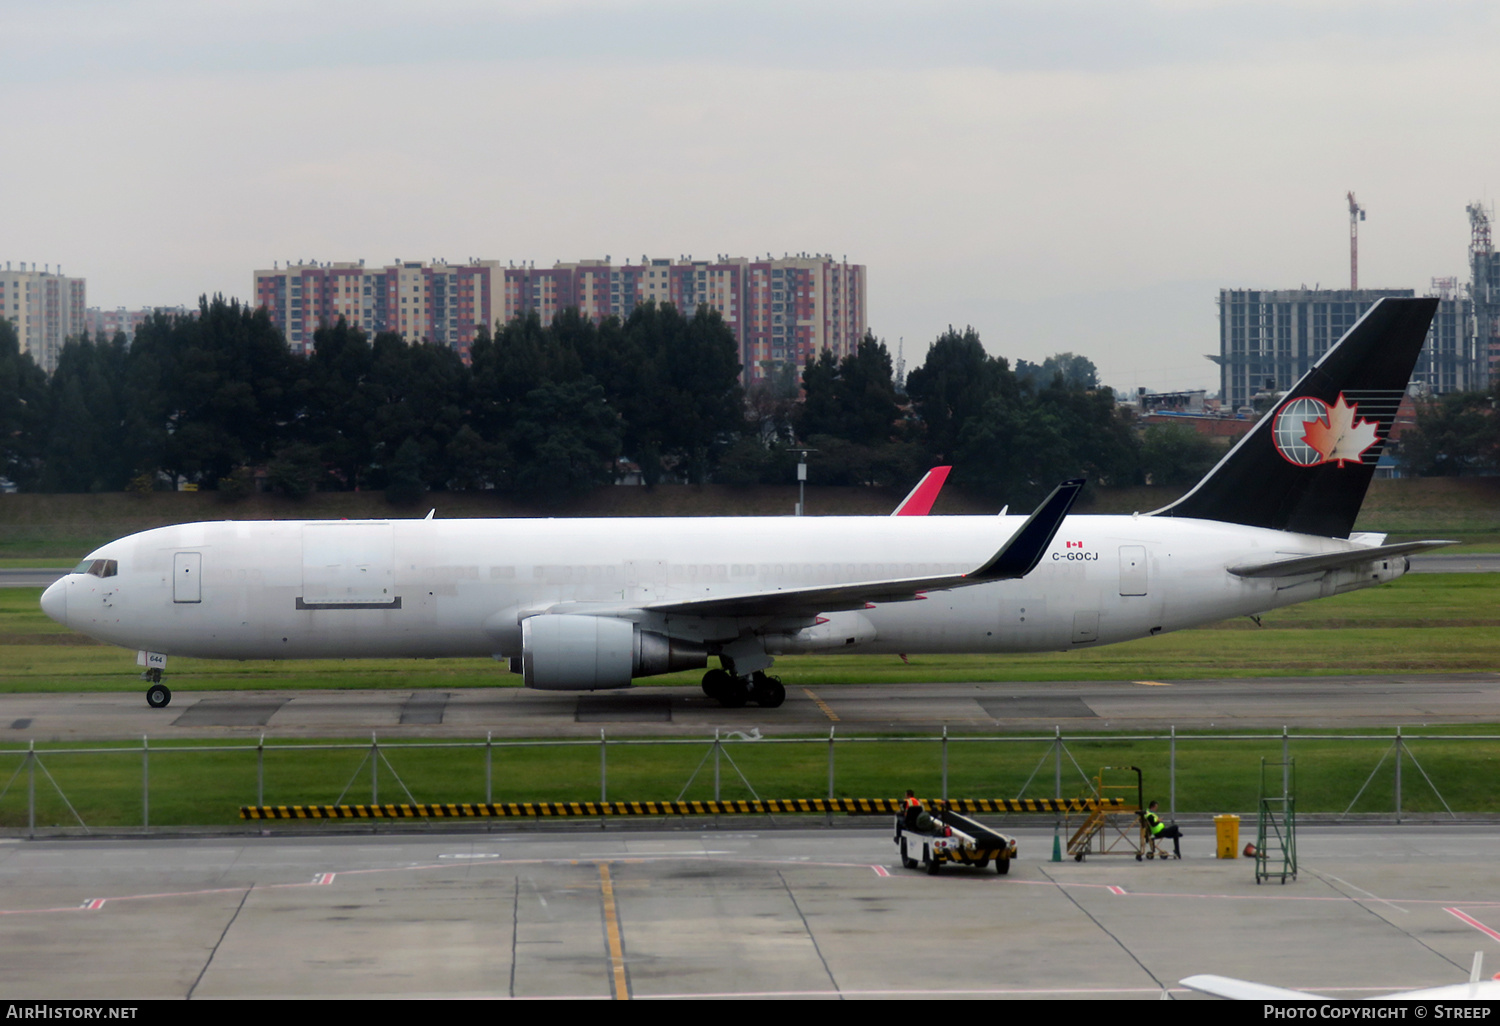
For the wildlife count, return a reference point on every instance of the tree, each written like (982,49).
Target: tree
(853,398)
(565,441)
(681,401)
(88,448)
(1075,371)
(1456,434)
(221,392)
(23,409)
(1013,450)
(1175,454)
(1021,444)
(955,384)
(295,470)
(338,416)
(1101,440)
(404,474)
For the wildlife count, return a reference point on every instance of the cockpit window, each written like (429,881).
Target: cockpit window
(98,567)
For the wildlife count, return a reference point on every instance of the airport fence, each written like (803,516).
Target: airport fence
(149,786)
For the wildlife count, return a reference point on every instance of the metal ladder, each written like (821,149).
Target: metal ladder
(1276,825)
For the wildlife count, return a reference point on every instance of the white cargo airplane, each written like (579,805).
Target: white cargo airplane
(589,604)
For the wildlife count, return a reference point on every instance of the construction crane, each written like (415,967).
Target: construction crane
(1356,215)
(1482,291)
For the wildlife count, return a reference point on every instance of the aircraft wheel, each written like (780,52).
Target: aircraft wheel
(906,863)
(735,693)
(158,696)
(716,682)
(770,693)
(1002,865)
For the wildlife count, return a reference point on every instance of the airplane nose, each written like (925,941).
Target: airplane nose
(55,601)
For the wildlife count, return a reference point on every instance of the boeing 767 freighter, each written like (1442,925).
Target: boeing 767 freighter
(590,604)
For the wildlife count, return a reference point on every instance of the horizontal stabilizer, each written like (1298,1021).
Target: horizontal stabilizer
(1332,560)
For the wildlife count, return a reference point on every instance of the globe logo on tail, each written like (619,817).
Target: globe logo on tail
(1309,432)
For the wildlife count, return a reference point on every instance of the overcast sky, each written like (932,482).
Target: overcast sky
(1078,175)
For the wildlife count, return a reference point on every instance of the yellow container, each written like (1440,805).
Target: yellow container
(1227,836)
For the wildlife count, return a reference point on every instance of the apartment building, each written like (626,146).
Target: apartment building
(435,302)
(120,321)
(780,309)
(45,307)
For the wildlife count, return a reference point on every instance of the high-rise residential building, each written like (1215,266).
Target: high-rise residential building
(1269,339)
(437,302)
(109,323)
(45,307)
(782,310)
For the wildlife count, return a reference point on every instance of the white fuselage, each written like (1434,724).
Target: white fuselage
(428,588)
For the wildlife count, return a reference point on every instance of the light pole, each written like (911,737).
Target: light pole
(802,480)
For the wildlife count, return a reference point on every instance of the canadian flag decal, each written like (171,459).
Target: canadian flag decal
(1073,545)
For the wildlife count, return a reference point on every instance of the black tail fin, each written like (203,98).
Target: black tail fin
(1306,466)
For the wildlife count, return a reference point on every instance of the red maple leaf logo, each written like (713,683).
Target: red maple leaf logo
(1340,437)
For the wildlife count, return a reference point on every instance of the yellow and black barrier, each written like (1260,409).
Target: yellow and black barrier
(569,810)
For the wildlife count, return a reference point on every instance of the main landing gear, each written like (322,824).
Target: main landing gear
(733,692)
(158,695)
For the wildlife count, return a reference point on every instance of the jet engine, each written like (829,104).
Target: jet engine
(567,652)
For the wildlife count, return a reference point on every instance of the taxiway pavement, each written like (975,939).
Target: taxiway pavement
(740,912)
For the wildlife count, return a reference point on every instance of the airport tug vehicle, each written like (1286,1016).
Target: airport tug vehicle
(942,835)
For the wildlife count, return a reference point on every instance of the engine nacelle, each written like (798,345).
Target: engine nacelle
(567,652)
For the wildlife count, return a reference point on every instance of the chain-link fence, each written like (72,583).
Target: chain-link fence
(155,785)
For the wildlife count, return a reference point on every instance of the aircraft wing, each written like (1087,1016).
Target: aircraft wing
(1332,560)
(1016,558)
(1244,990)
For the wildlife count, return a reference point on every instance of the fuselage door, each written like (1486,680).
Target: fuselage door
(187,568)
(348,563)
(1132,569)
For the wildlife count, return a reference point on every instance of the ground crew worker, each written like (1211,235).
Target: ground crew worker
(1160,831)
(910,809)
(914,816)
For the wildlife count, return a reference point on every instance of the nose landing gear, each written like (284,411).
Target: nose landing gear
(158,695)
